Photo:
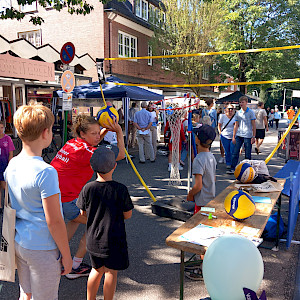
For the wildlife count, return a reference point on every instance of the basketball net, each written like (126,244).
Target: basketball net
(174,114)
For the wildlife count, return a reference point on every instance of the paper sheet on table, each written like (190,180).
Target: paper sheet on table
(204,235)
(144,132)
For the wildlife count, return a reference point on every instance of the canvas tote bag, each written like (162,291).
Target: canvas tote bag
(7,247)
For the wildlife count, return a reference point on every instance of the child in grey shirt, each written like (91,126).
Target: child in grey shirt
(204,168)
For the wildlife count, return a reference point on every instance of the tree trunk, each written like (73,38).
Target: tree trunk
(242,71)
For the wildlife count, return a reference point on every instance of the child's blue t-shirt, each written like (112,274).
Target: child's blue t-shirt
(30,180)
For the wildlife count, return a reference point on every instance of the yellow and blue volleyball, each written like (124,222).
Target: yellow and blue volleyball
(107,113)
(244,173)
(239,205)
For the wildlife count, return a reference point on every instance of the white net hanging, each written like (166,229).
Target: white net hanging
(174,114)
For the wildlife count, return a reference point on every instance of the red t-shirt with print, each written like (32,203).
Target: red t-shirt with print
(72,163)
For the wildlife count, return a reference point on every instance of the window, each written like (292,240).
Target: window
(165,64)
(141,9)
(205,73)
(127,45)
(29,7)
(138,8)
(34,37)
(149,54)
(144,10)
(4,4)
(151,14)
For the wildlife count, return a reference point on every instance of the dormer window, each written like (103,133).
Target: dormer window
(141,9)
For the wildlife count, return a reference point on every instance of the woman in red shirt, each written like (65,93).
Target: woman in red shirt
(72,163)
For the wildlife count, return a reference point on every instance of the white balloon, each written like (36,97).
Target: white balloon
(231,263)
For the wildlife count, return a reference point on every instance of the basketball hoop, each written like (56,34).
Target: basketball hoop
(174,114)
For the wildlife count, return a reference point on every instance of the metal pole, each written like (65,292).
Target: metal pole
(189,154)
(65,126)
(283,106)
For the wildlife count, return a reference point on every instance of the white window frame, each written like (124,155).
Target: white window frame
(144,10)
(150,60)
(50,6)
(125,45)
(138,8)
(151,15)
(205,72)
(29,7)
(165,61)
(35,40)
(4,4)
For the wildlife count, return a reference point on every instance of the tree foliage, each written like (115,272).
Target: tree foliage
(190,26)
(79,7)
(259,24)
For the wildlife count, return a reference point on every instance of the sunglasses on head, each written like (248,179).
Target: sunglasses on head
(230,108)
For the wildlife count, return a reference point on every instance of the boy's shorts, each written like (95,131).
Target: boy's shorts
(119,261)
(39,272)
(70,209)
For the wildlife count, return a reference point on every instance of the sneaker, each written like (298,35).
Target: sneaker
(256,150)
(81,271)
(221,160)
(195,274)
(230,172)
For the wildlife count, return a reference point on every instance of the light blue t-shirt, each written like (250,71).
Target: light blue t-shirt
(30,180)
(245,125)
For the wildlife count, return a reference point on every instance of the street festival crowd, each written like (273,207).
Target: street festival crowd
(45,196)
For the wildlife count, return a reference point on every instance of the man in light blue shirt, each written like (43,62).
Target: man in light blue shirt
(243,133)
(142,121)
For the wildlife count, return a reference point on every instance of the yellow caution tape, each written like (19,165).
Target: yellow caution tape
(207,53)
(140,177)
(206,84)
(283,137)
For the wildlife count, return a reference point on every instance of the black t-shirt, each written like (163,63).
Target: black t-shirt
(104,203)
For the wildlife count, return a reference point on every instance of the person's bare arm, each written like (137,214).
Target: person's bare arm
(127,214)
(114,126)
(10,155)
(137,126)
(220,127)
(149,125)
(266,123)
(235,128)
(196,188)
(253,131)
(57,228)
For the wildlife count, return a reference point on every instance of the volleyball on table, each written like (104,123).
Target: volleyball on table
(239,205)
(244,172)
(106,113)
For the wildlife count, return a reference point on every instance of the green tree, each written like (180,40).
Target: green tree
(73,7)
(251,24)
(189,26)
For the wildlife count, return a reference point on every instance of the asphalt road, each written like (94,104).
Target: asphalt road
(154,268)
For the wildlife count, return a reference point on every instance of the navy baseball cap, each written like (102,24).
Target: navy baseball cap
(205,133)
(103,159)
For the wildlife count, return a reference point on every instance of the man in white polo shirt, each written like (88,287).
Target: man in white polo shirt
(243,133)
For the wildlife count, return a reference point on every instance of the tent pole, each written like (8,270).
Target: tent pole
(189,147)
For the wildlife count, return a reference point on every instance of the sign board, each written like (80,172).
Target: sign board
(67,81)
(67,101)
(16,67)
(67,53)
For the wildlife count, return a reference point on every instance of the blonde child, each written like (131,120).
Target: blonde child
(41,241)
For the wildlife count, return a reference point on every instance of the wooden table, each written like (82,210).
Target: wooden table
(258,220)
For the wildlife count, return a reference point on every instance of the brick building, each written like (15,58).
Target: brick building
(116,29)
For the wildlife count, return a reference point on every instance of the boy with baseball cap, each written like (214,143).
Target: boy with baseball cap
(106,203)
(204,168)
(204,189)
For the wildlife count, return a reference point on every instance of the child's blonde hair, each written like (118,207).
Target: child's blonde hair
(31,120)
(82,124)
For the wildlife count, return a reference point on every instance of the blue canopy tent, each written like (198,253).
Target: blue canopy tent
(111,91)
